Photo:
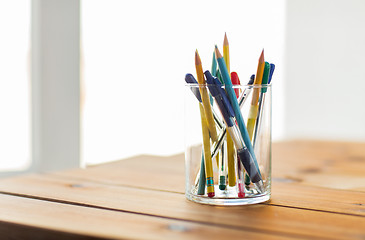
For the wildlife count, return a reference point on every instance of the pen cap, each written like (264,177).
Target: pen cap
(272,68)
(252,79)
(211,85)
(265,76)
(235,81)
(189,78)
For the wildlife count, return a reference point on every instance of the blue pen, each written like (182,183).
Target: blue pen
(200,179)
(242,99)
(189,78)
(272,68)
(233,100)
(228,114)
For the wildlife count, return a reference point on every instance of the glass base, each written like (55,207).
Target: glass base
(228,198)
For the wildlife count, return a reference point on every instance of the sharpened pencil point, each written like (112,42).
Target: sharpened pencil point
(197,58)
(217,53)
(225,42)
(262,58)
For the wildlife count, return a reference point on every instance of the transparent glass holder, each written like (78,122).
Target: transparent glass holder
(232,186)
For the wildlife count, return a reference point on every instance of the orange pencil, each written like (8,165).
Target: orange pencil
(255,96)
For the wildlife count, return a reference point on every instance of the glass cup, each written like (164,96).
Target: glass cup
(227,158)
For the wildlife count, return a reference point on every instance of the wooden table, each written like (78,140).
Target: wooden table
(318,193)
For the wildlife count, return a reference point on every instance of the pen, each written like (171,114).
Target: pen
(265,80)
(252,79)
(235,105)
(206,145)
(222,171)
(189,78)
(252,114)
(235,81)
(272,68)
(240,170)
(223,133)
(229,118)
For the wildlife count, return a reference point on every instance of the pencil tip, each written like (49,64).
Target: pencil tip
(217,53)
(225,39)
(197,58)
(262,58)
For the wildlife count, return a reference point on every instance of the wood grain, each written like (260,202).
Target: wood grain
(299,191)
(318,192)
(50,220)
(336,165)
(278,219)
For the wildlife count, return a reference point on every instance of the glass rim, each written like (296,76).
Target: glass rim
(234,86)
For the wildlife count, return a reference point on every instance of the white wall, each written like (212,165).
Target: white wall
(135,60)
(324,69)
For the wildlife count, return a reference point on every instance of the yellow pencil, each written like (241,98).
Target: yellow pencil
(255,96)
(230,146)
(205,98)
(207,156)
(226,53)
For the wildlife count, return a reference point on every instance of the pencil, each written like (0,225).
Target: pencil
(252,114)
(207,157)
(232,98)
(230,146)
(226,53)
(265,80)
(205,98)
(255,96)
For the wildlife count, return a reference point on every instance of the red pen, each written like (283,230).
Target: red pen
(240,170)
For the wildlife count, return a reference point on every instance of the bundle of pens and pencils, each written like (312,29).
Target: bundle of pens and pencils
(235,160)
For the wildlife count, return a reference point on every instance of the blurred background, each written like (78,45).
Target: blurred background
(87,82)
